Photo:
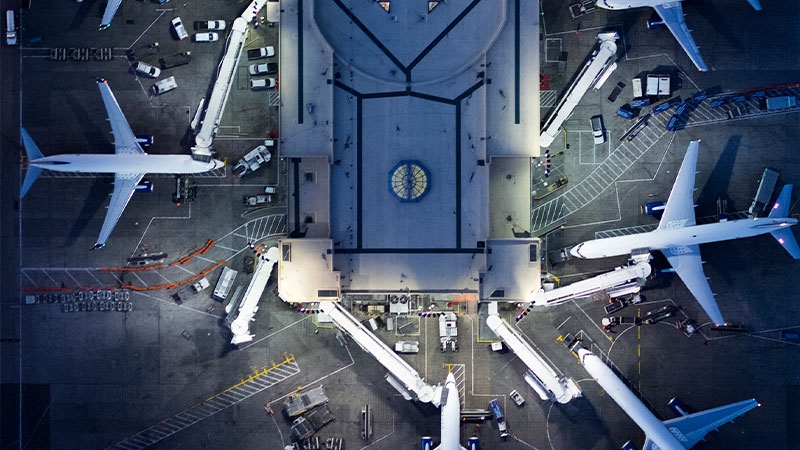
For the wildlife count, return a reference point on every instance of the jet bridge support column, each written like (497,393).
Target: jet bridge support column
(401,375)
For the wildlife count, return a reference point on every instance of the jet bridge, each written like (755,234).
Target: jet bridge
(545,381)
(593,74)
(222,86)
(249,304)
(401,375)
(640,270)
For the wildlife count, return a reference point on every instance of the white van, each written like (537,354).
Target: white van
(165,85)
(11,28)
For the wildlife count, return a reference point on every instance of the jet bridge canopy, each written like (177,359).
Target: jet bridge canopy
(560,389)
(398,368)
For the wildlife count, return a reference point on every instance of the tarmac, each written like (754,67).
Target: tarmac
(96,379)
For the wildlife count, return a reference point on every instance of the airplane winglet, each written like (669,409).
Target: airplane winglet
(33,153)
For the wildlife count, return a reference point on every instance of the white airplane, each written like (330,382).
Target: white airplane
(680,433)
(678,237)
(451,419)
(111,8)
(671,13)
(129,164)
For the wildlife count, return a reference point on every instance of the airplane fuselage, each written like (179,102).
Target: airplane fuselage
(451,417)
(628,4)
(679,237)
(653,428)
(125,163)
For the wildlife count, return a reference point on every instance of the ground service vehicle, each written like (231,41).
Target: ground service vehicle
(785,101)
(516,397)
(256,200)
(658,85)
(273,11)
(305,400)
(180,30)
(146,69)
(263,52)
(190,291)
(175,60)
(11,28)
(224,284)
(254,159)
(209,25)
(625,113)
(206,37)
(265,68)
(406,347)
(165,85)
(497,412)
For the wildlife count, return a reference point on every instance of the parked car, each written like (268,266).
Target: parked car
(209,25)
(598,131)
(206,37)
(258,84)
(265,68)
(263,52)
(177,24)
(146,69)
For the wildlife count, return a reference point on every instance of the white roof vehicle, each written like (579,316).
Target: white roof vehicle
(177,24)
(165,85)
(206,37)
(266,83)
(263,52)
(146,69)
(209,25)
(256,69)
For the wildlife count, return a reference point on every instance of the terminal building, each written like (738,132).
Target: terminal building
(408,156)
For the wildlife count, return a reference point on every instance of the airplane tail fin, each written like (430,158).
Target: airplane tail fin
(695,427)
(33,153)
(784,235)
(755,4)
(781,207)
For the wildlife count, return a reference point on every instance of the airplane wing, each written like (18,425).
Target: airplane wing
(672,15)
(688,265)
(124,139)
(111,8)
(124,186)
(679,211)
(695,427)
